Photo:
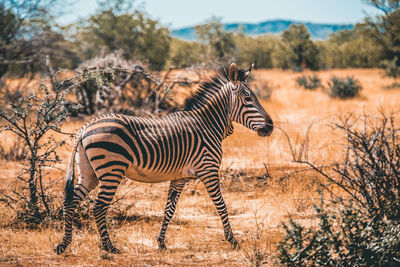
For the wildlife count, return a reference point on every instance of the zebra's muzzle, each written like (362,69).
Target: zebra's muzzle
(265,131)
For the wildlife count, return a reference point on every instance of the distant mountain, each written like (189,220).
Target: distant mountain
(317,30)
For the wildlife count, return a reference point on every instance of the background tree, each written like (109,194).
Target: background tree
(184,54)
(350,48)
(118,26)
(297,49)
(27,33)
(219,44)
(259,50)
(385,29)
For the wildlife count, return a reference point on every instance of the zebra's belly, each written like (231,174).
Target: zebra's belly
(149,176)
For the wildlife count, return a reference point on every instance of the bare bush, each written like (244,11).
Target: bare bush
(30,118)
(114,60)
(370,170)
(113,84)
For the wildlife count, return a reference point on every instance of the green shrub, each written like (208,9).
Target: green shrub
(309,82)
(394,85)
(362,228)
(344,87)
(348,237)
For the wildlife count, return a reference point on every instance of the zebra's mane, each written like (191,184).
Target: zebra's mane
(209,88)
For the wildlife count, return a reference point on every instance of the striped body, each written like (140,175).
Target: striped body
(181,146)
(147,149)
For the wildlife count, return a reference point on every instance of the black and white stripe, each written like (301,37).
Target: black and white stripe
(181,146)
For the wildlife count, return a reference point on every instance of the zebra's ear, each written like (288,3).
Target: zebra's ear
(233,74)
(247,72)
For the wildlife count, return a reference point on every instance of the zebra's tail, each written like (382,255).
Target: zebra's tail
(69,185)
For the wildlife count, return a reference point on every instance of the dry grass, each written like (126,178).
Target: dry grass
(257,206)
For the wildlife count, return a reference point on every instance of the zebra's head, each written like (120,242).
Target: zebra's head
(246,109)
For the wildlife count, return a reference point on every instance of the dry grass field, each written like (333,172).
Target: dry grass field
(258,200)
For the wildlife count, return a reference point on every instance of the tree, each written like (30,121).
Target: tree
(385,29)
(219,44)
(117,26)
(184,54)
(258,50)
(386,6)
(298,51)
(351,48)
(25,27)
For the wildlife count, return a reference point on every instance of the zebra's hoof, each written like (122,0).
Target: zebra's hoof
(161,246)
(59,249)
(112,249)
(235,244)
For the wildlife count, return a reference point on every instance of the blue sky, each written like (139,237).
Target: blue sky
(180,13)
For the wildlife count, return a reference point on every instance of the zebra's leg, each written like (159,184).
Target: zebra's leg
(109,183)
(86,183)
(81,191)
(211,182)
(175,190)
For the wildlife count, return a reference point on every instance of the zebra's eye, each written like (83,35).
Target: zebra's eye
(246,96)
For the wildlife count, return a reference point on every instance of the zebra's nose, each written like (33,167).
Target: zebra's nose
(266,130)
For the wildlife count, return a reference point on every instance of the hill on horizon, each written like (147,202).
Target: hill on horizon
(317,30)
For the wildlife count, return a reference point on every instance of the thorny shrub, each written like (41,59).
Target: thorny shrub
(363,228)
(30,119)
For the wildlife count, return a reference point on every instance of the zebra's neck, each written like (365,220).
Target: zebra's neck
(216,114)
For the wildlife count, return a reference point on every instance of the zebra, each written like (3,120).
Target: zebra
(178,147)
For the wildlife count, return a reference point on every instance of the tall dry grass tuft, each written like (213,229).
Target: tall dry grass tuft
(12,148)
(257,245)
